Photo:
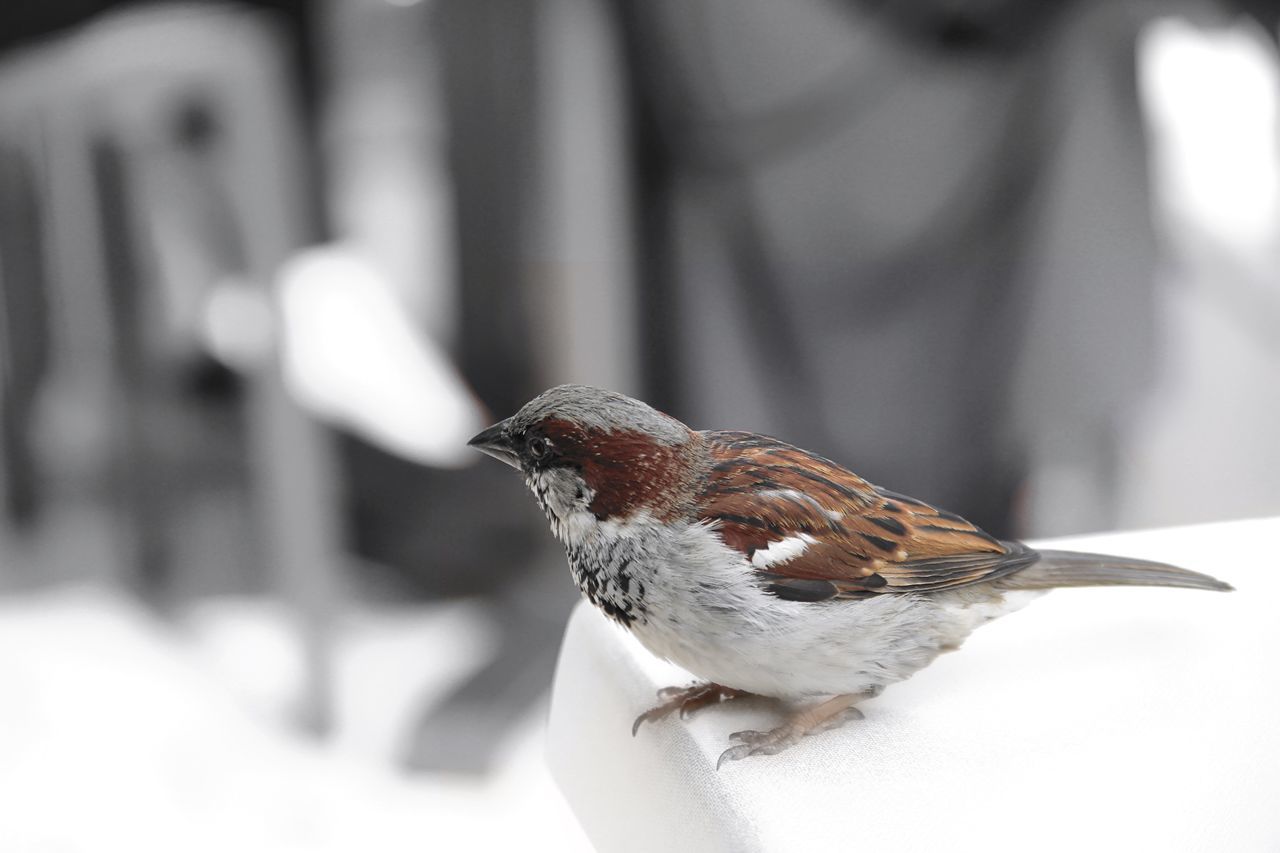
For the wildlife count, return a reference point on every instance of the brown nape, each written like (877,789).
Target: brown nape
(628,470)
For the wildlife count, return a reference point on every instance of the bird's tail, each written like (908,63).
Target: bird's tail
(1072,568)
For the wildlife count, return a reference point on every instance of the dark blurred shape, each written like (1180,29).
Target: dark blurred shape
(25,21)
(24,332)
(29,20)
(1265,12)
(911,236)
(488,50)
(438,533)
(956,26)
(468,531)
(141,496)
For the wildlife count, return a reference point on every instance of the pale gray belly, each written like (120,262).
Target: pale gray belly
(797,649)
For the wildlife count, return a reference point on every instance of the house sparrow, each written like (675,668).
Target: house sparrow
(766,569)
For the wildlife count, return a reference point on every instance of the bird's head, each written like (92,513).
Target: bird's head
(587,453)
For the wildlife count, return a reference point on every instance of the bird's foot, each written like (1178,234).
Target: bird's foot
(686,700)
(830,714)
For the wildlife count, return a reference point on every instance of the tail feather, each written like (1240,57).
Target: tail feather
(1072,568)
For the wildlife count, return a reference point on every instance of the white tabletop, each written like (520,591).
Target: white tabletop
(1097,719)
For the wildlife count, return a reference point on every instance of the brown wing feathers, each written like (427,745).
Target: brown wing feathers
(855,540)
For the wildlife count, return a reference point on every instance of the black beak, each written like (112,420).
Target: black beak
(494,442)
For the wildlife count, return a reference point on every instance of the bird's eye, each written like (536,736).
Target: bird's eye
(539,447)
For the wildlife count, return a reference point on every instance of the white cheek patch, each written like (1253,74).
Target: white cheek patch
(782,551)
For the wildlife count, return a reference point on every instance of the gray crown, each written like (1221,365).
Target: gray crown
(600,409)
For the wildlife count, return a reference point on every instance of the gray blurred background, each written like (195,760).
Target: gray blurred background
(264,268)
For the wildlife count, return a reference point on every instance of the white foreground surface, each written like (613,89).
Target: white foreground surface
(120,732)
(1095,719)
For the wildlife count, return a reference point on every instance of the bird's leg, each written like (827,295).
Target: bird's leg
(826,715)
(686,700)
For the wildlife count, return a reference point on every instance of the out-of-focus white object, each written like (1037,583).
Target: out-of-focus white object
(1112,719)
(1198,440)
(236,324)
(1210,96)
(351,355)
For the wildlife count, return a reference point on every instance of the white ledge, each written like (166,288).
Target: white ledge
(1107,719)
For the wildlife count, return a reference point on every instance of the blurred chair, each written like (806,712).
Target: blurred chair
(87,119)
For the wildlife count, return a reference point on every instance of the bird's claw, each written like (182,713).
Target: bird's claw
(651,715)
(686,700)
(760,743)
(783,737)
(749,738)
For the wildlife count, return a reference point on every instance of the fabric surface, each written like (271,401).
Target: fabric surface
(1112,719)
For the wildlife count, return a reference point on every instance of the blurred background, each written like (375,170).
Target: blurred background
(265,267)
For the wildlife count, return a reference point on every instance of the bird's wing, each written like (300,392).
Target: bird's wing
(815,530)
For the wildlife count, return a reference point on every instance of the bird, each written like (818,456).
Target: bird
(767,570)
